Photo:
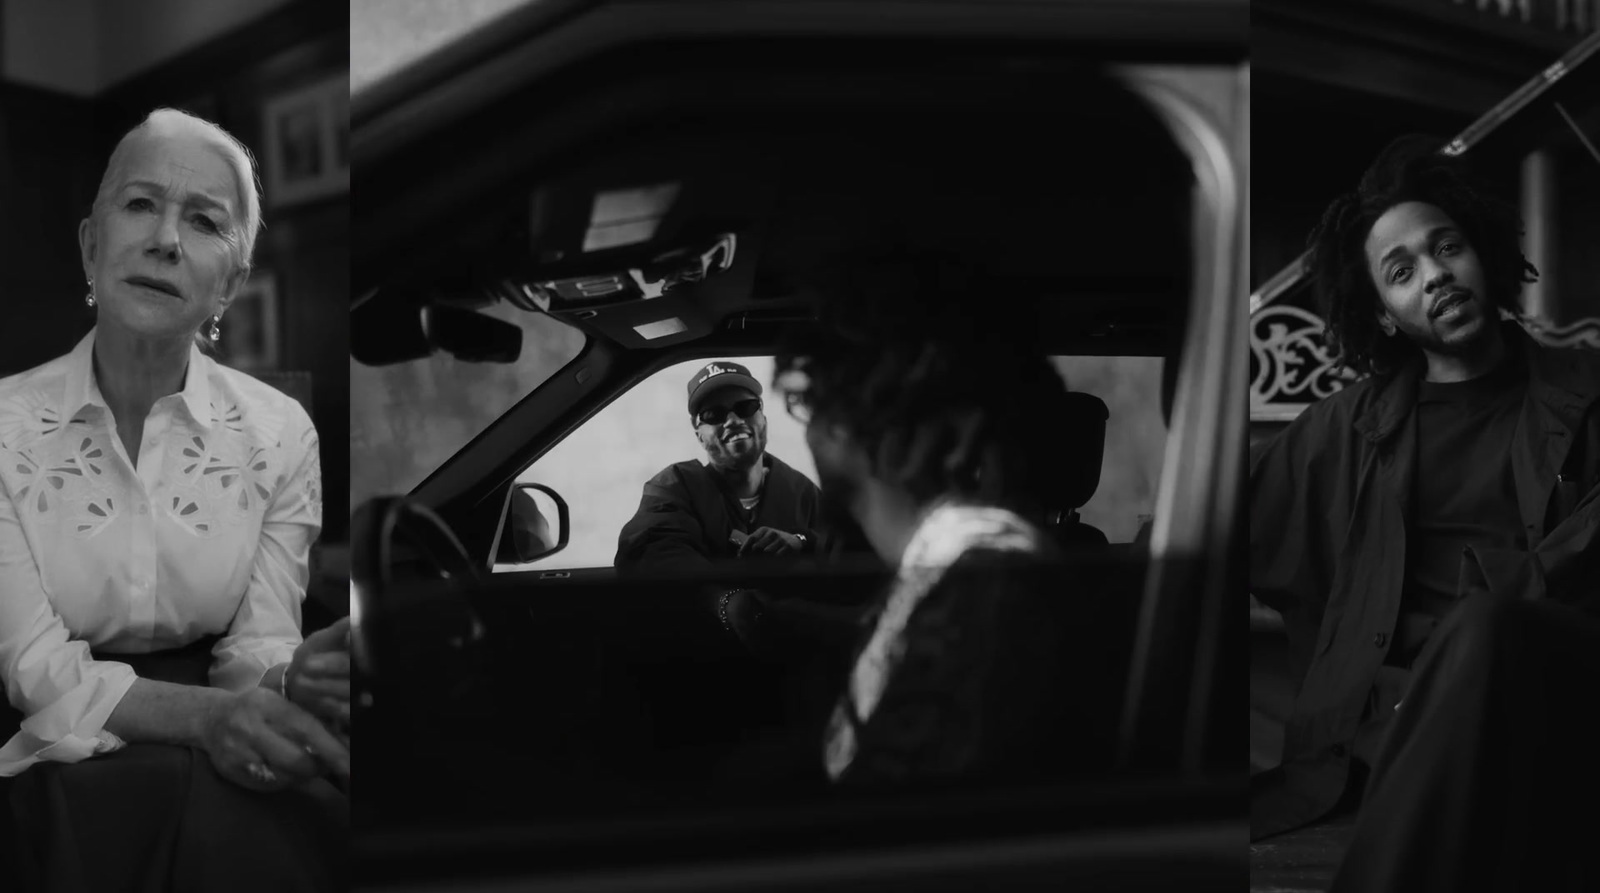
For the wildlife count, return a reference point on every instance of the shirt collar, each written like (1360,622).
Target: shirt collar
(82,390)
(1565,382)
(948,529)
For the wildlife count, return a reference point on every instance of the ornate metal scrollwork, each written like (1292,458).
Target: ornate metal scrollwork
(1290,366)
(1583,332)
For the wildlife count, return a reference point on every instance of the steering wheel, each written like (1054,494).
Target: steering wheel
(440,556)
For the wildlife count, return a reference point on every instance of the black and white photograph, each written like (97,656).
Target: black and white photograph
(251,342)
(174,471)
(1425,445)
(306,142)
(799,445)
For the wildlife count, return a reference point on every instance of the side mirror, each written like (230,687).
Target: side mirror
(526,533)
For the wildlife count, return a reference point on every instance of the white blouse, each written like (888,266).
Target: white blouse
(209,534)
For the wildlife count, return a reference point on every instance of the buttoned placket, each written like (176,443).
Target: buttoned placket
(142,539)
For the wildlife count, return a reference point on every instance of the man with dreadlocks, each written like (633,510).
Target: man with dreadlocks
(1431,535)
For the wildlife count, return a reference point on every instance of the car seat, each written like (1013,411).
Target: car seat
(1081,456)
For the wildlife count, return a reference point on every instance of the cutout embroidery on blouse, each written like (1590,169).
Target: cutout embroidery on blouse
(212,475)
(25,418)
(61,486)
(107,566)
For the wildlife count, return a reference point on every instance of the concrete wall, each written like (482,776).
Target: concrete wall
(51,44)
(81,47)
(385,35)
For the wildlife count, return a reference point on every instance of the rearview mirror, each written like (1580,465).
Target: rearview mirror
(471,336)
(527,532)
(400,325)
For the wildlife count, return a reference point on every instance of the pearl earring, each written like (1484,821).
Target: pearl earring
(216,330)
(89,298)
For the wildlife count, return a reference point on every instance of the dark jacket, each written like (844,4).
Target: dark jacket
(1330,507)
(686,516)
(989,685)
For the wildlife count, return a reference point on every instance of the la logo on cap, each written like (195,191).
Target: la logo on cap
(714,369)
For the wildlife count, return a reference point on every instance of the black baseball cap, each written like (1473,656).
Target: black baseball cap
(717,376)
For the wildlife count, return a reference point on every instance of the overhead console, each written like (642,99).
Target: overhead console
(637,264)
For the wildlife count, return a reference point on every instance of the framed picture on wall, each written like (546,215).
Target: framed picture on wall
(306,139)
(250,331)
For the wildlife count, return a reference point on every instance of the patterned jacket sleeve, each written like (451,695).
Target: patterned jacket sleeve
(974,690)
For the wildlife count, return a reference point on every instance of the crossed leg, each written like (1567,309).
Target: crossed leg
(1489,776)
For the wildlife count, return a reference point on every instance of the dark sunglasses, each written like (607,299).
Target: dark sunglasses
(714,415)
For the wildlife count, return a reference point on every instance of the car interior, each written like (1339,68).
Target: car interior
(555,715)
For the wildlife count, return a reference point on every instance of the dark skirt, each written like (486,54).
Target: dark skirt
(156,817)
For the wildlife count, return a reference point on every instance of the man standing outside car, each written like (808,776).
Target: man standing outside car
(1431,536)
(740,501)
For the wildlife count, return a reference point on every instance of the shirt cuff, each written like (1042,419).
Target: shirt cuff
(241,670)
(73,728)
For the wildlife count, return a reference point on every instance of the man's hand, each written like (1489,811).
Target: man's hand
(768,541)
(319,676)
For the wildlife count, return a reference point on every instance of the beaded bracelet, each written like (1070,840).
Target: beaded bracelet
(722,608)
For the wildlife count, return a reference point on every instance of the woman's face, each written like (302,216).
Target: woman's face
(161,249)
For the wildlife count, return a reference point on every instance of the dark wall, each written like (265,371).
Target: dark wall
(1333,83)
(53,149)
(1309,143)
(45,185)
(1576,268)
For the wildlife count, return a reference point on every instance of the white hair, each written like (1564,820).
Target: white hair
(233,151)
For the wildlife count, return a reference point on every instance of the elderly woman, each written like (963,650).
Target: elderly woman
(156,515)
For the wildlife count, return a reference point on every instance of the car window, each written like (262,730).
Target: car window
(601,468)
(407,419)
(1136,439)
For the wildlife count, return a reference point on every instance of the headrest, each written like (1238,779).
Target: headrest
(1082,450)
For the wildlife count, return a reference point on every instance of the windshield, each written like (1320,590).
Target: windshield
(407,419)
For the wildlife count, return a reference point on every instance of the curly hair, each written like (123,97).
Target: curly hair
(946,397)
(1409,169)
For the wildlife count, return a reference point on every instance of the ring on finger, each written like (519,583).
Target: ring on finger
(261,773)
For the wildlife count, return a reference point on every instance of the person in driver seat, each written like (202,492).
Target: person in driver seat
(931,428)
(741,501)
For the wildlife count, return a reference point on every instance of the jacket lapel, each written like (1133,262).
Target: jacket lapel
(777,496)
(1561,390)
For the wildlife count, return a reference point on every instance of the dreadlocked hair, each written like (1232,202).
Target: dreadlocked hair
(1409,169)
(912,361)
